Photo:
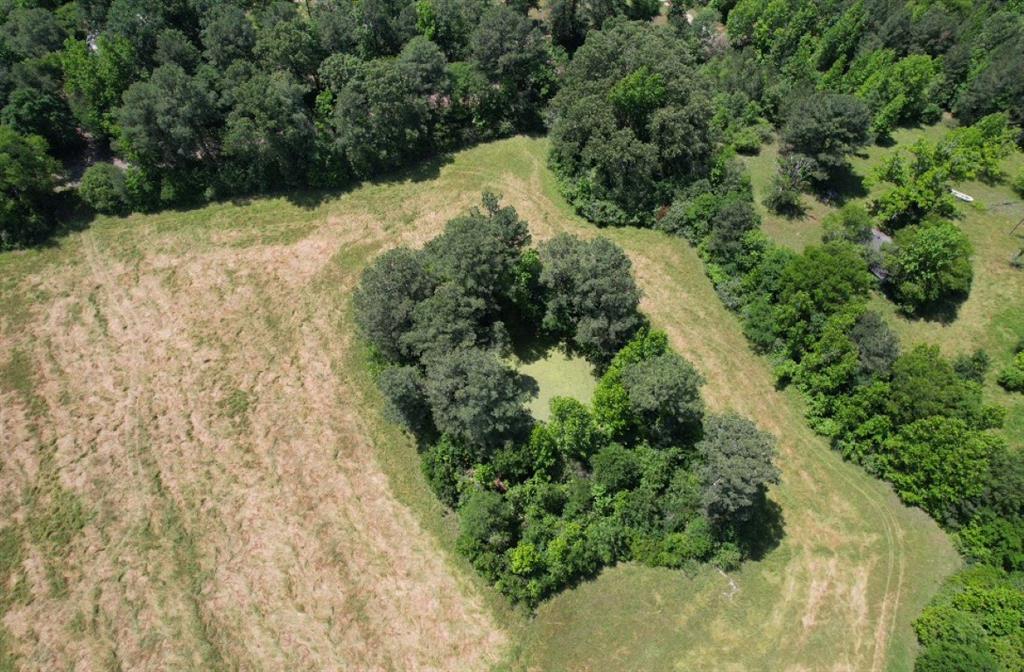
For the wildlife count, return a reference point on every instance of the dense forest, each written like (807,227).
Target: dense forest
(133,105)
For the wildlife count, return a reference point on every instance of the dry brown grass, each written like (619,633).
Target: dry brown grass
(198,476)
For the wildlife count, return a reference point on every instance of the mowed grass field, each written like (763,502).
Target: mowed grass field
(992,317)
(196,472)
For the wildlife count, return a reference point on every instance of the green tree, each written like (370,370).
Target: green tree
(268,138)
(228,35)
(939,464)
(487,528)
(877,345)
(738,468)
(26,188)
(616,468)
(664,395)
(403,387)
(476,397)
(930,263)
(924,384)
(826,128)
(813,286)
(591,296)
(388,293)
(168,120)
(103,189)
(96,79)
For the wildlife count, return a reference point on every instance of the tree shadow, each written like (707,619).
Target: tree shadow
(843,185)
(944,311)
(763,532)
(529,346)
(422,171)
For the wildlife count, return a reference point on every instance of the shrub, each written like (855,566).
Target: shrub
(616,468)
(851,223)
(973,366)
(1012,377)
(1018,183)
(103,189)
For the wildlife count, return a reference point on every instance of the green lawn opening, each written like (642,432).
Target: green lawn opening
(556,374)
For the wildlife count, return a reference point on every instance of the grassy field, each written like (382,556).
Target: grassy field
(557,374)
(196,473)
(992,317)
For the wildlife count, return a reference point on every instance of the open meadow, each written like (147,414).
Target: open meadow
(197,473)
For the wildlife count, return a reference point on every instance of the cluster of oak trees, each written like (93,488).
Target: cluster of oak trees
(640,473)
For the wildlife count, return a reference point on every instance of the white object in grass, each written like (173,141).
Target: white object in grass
(962,196)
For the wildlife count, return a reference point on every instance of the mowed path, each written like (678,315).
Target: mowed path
(197,475)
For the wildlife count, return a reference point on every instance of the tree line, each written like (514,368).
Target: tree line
(203,100)
(832,77)
(641,473)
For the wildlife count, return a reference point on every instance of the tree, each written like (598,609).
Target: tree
(507,47)
(573,429)
(924,384)
(1012,377)
(475,397)
(487,528)
(388,293)
(811,287)
(955,657)
(729,229)
(972,623)
(403,387)
(479,251)
(791,179)
(616,468)
(930,263)
(26,188)
(447,320)
(169,119)
(591,296)
(228,35)
(103,189)
(664,393)
(380,118)
(877,345)
(96,79)
(31,33)
(939,464)
(851,223)
(268,139)
(445,464)
(632,124)
(290,45)
(826,128)
(737,468)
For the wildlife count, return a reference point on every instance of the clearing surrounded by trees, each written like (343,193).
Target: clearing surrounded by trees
(246,504)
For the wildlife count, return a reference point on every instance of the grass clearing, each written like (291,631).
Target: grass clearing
(556,374)
(245,505)
(992,317)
